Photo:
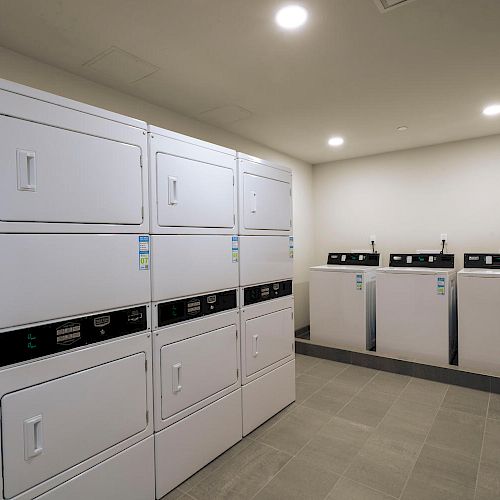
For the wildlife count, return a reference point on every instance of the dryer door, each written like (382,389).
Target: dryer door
(53,426)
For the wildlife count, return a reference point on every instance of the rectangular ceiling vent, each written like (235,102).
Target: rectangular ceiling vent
(385,5)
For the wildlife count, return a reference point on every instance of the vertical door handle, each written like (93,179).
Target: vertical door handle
(253,202)
(255,340)
(26,170)
(176,377)
(33,437)
(172,190)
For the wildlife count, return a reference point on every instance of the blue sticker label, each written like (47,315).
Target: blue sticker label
(441,286)
(290,247)
(359,282)
(144,253)
(235,248)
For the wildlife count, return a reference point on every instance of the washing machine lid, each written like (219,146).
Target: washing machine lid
(480,273)
(343,269)
(415,270)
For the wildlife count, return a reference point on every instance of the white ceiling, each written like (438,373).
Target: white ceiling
(351,70)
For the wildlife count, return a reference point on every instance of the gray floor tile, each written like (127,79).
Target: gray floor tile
(494,410)
(488,482)
(335,445)
(355,377)
(242,476)
(306,385)
(467,400)
(299,480)
(295,430)
(424,391)
(491,446)
(327,369)
(408,421)
(303,363)
(391,383)
(345,489)
(263,428)
(367,407)
(330,398)
(458,431)
(175,495)
(441,474)
(384,464)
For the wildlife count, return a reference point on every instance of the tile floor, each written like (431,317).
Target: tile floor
(361,434)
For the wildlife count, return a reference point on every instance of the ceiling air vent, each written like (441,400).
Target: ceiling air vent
(385,5)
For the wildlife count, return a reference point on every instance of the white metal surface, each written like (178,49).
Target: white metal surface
(195,363)
(265,259)
(185,447)
(193,185)
(479,320)
(70,170)
(129,475)
(267,395)
(267,336)
(82,396)
(184,265)
(265,197)
(416,317)
(50,276)
(342,306)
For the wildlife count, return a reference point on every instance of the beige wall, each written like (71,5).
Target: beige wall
(27,71)
(408,198)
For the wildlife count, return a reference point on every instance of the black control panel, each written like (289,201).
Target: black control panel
(354,259)
(482,260)
(430,260)
(269,291)
(177,311)
(29,343)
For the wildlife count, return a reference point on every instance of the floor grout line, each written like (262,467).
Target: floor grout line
(482,446)
(424,442)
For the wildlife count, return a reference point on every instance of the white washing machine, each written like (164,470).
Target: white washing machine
(265,197)
(342,301)
(479,313)
(416,308)
(76,401)
(69,167)
(193,185)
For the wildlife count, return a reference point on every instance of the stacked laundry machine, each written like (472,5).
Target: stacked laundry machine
(266,293)
(76,389)
(195,278)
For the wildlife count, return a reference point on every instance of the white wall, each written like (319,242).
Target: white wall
(21,69)
(408,198)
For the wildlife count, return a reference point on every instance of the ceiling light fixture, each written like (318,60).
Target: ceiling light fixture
(336,141)
(402,128)
(291,17)
(492,110)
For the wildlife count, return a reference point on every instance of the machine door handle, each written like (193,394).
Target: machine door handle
(26,170)
(255,340)
(172,190)
(33,437)
(176,377)
(253,201)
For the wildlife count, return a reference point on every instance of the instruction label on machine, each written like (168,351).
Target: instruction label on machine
(144,253)
(235,248)
(359,282)
(290,247)
(441,286)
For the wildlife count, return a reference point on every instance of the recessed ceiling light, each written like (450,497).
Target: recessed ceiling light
(336,141)
(402,128)
(492,110)
(291,17)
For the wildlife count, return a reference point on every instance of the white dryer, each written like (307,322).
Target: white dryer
(342,301)
(479,313)
(69,167)
(416,308)
(76,400)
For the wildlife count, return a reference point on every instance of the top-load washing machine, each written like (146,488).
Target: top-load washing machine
(416,308)
(69,167)
(479,313)
(342,301)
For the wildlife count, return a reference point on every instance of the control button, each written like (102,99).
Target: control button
(409,259)
(361,257)
(431,258)
(489,259)
(343,258)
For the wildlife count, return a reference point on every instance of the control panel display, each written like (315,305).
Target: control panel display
(177,311)
(353,259)
(482,260)
(26,344)
(269,291)
(429,260)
